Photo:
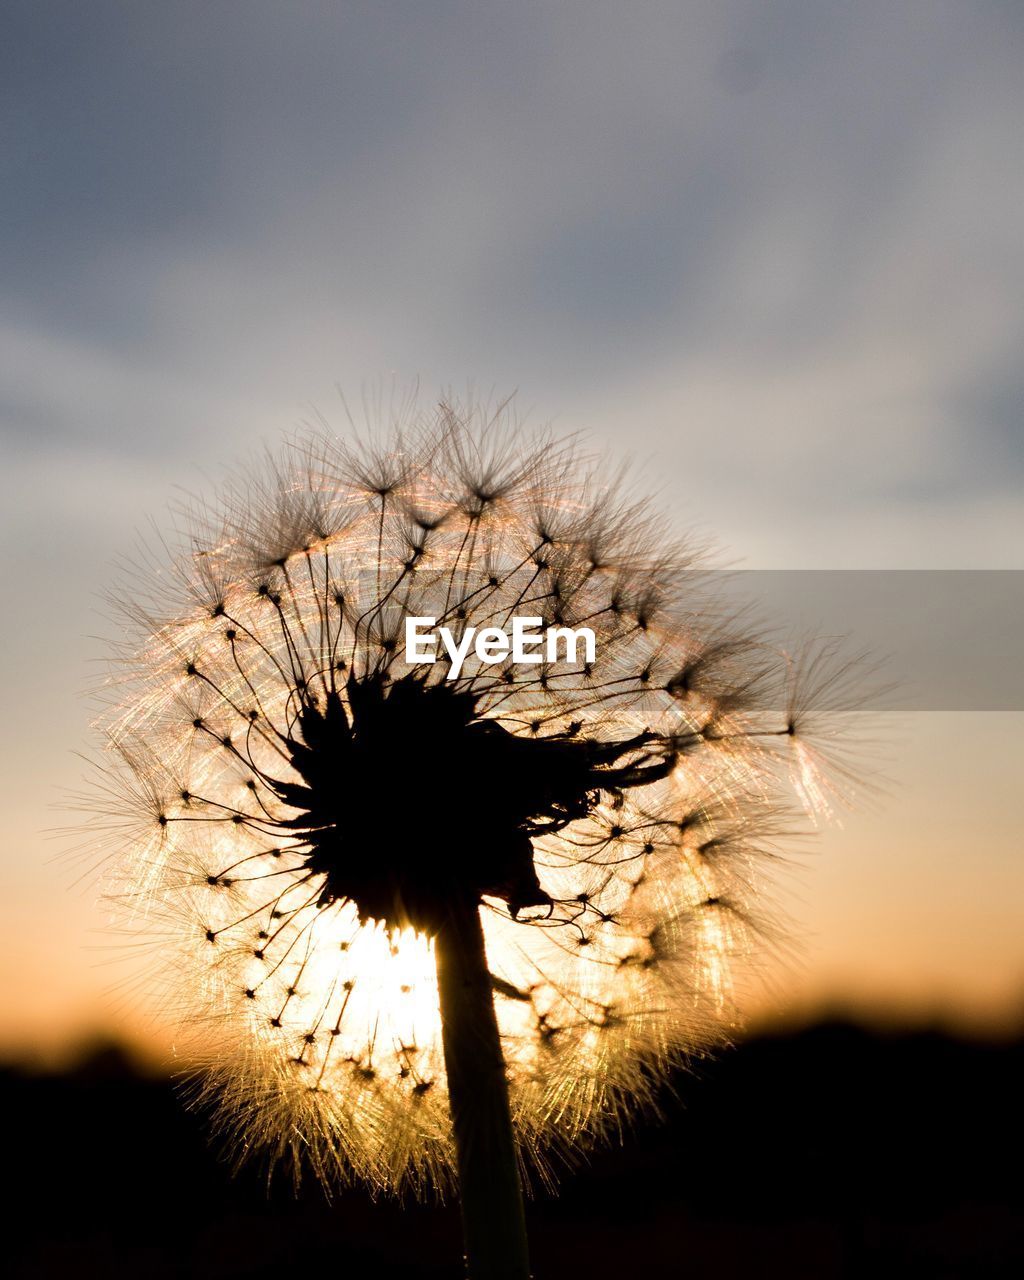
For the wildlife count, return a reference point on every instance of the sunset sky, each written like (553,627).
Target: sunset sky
(770,253)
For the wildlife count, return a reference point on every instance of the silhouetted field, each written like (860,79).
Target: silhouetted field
(833,1152)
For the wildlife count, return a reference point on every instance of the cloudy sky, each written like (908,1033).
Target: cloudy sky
(772,252)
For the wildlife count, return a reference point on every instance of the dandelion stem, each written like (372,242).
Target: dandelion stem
(493,1222)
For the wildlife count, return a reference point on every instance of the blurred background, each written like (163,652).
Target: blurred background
(772,253)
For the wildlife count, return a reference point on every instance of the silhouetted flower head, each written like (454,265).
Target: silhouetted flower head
(293,805)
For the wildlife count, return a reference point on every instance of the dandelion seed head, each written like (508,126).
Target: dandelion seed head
(289,805)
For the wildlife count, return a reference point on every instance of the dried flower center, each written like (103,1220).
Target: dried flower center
(409,799)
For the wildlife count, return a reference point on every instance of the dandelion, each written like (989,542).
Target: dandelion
(430,927)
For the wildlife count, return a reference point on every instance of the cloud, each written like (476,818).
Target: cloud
(775,249)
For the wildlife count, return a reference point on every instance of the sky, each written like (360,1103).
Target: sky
(769,253)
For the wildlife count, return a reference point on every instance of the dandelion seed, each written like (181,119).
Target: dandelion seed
(380,886)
